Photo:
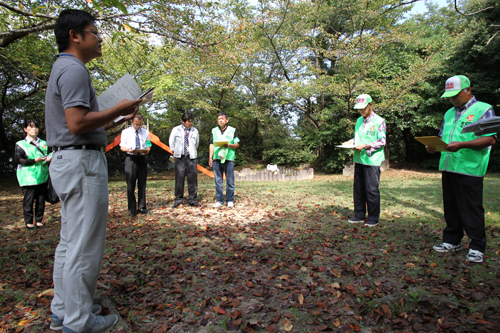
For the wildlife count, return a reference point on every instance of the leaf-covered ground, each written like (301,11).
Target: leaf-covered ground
(284,259)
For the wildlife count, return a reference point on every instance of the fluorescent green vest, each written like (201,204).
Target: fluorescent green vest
(367,134)
(37,173)
(221,153)
(466,161)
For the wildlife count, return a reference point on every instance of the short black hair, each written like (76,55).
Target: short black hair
(186,116)
(71,19)
(222,114)
(31,122)
(138,117)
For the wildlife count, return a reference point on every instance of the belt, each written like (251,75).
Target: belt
(81,147)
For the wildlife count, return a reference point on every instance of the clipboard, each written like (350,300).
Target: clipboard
(346,146)
(146,96)
(140,151)
(146,92)
(220,143)
(483,126)
(432,141)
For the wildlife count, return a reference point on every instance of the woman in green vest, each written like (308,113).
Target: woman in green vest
(32,173)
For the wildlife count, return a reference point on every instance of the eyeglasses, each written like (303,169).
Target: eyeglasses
(95,33)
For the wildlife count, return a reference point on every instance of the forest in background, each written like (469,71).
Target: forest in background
(287,72)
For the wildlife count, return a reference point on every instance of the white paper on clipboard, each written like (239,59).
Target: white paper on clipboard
(124,88)
(345,146)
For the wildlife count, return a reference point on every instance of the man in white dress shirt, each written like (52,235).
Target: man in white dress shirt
(136,166)
(184,141)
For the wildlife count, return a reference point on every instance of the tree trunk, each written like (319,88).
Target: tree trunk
(408,139)
(4,140)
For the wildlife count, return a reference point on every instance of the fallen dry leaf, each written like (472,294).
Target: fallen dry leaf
(287,325)
(24,322)
(386,309)
(219,310)
(48,292)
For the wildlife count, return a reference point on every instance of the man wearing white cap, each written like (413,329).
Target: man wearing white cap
(369,141)
(463,166)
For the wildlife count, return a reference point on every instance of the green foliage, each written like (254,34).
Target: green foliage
(477,58)
(337,129)
(290,152)
(470,55)
(286,72)
(24,70)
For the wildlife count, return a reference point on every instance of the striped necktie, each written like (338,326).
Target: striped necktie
(186,141)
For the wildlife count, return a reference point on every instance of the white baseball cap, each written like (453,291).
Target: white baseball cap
(454,85)
(362,101)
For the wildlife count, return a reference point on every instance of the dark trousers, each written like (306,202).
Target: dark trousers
(34,193)
(366,191)
(136,170)
(185,168)
(463,209)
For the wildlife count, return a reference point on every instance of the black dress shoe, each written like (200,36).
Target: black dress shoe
(194,204)
(132,213)
(177,204)
(143,211)
(40,225)
(30,228)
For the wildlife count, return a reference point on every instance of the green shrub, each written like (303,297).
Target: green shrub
(292,152)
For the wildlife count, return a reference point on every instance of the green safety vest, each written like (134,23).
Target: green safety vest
(466,161)
(221,153)
(367,134)
(34,174)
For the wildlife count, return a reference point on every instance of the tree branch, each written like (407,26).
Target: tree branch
(270,38)
(23,12)
(227,84)
(493,35)
(10,37)
(463,14)
(401,4)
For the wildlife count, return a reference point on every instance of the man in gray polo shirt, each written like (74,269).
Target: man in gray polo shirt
(76,128)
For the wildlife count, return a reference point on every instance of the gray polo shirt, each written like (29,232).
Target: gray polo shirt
(69,85)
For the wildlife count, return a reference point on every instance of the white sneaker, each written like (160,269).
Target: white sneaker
(447,247)
(217,205)
(230,204)
(474,256)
